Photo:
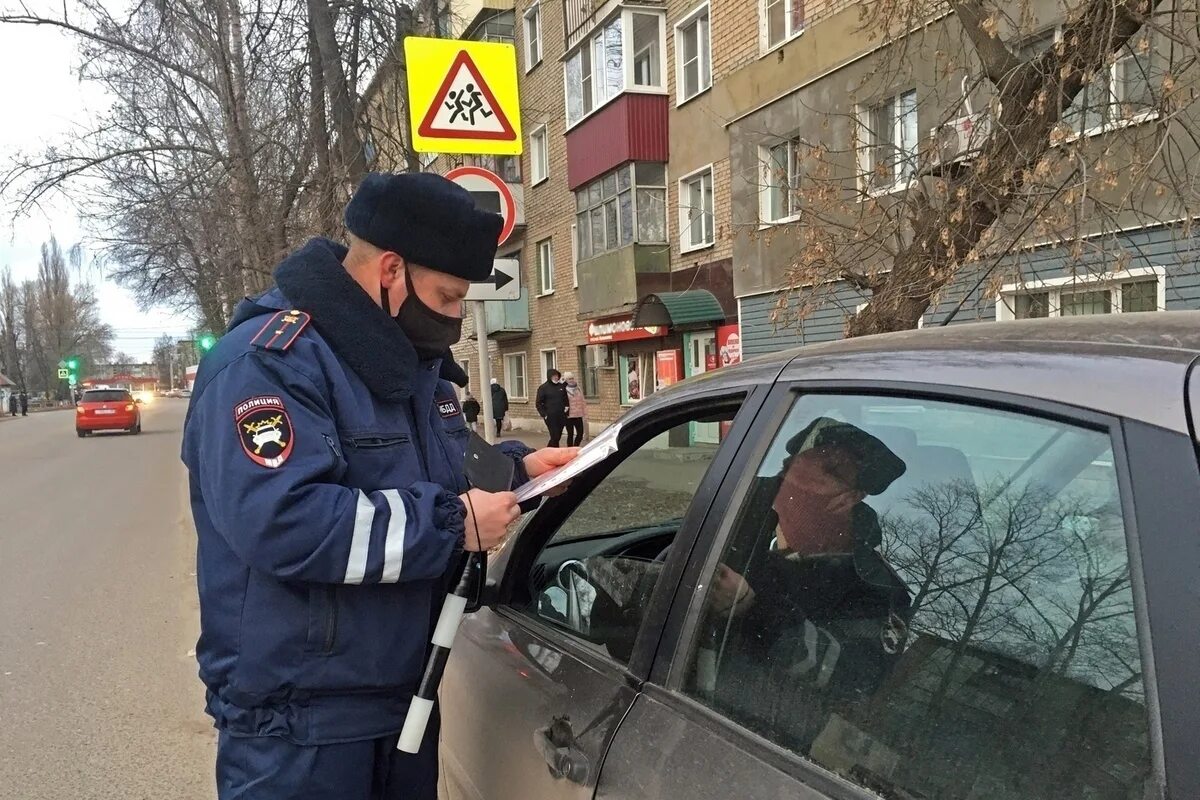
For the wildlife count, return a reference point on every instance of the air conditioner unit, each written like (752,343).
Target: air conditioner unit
(960,139)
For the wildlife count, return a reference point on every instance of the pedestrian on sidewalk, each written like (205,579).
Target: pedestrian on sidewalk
(12,404)
(471,411)
(576,411)
(326,470)
(552,405)
(24,404)
(499,406)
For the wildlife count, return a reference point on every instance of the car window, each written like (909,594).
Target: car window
(107,396)
(594,577)
(932,600)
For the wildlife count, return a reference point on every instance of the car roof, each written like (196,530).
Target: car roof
(1129,365)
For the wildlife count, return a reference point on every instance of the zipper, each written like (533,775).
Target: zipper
(332,445)
(330,619)
(376,442)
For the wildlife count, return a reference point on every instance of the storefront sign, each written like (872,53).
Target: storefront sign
(729,344)
(602,331)
(668,367)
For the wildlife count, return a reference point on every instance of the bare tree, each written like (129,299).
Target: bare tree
(216,156)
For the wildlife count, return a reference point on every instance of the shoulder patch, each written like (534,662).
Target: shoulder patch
(448,408)
(265,430)
(281,330)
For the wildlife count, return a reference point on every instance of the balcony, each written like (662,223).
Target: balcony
(506,319)
(581,16)
(631,128)
(612,283)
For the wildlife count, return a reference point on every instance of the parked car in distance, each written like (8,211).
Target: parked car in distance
(107,410)
(951,563)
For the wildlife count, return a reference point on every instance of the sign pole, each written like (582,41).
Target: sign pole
(484,390)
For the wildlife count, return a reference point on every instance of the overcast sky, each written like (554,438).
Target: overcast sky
(43,101)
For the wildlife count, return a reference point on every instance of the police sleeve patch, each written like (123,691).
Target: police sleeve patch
(265,430)
(448,408)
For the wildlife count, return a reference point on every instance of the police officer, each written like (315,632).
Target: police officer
(325,447)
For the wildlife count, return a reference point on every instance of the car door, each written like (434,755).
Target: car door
(979,623)
(538,681)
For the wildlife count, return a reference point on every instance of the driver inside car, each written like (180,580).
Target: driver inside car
(819,615)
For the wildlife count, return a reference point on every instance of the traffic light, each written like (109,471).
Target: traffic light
(73,364)
(207,342)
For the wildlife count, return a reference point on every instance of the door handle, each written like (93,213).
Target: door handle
(563,758)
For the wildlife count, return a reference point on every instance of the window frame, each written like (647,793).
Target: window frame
(545,269)
(683,626)
(1005,299)
(544,362)
(685,185)
(582,226)
(765,46)
(693,19)
(866,144)
(595,37)
(766,159)
(640,425)
(532,18)
(509,383)
(539,146)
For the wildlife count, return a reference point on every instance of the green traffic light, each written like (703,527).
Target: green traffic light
(207,341)
(72,364)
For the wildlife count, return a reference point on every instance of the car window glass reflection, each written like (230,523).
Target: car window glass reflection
(932,600)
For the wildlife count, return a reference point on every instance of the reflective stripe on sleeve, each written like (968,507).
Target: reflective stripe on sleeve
(393,549)
(364,515)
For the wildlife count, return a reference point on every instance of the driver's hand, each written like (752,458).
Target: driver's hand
(489,514)
(729,592)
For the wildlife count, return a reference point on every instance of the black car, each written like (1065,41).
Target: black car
(960,563)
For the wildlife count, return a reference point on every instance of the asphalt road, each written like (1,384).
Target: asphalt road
(98,690)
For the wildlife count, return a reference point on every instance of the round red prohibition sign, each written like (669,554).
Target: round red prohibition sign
(475,179)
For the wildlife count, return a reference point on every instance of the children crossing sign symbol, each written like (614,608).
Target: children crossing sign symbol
(464,96)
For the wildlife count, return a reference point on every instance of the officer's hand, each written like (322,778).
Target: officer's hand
(488,517)
(542,461)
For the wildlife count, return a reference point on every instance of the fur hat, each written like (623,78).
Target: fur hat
(427,220)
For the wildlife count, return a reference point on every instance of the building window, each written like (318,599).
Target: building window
(693,53)
(781,20)
(888,149)
(539,159)
(696,210)
(781,182)
(593,358)
(625,206)
(1118,94)
(598,70)
(533,37)
(637,377)
(549,362)
(574,255)
(647,49)
(514,376)
(545,267)
(1140,289)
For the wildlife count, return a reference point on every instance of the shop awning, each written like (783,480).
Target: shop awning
(692,307)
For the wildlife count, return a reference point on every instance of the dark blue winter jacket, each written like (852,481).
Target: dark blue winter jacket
(325,466)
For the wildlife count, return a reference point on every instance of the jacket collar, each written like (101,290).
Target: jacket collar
(367,339)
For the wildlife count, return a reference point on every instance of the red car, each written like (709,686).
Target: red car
(107,410)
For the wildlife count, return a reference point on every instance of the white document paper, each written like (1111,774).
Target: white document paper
(589,456)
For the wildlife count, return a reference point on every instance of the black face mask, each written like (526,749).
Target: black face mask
(431,333)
